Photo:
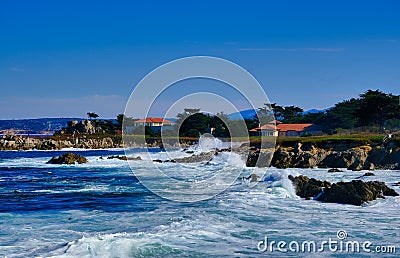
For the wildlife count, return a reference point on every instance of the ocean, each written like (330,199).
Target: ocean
(101,209)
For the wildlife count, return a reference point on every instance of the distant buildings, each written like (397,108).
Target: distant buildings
(277,128)
(154,123)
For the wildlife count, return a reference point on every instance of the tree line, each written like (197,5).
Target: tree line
(372,110)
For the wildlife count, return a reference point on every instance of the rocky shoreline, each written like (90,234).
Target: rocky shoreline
(337,155)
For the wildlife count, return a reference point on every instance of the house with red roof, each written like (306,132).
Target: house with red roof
(154,123)
(277,128)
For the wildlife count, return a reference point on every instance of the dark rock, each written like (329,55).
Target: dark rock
(117,157)
(190,152)
(124,157)
(134,158)
(334,170)
(297,157)
(352,159)
(259,158)
(368,166)
(68,158)
(157,160)
(308,187)
(355,192)
(205,156)
(252,178)
(369,174)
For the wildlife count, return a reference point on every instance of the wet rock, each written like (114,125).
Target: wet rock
(308,187)
(259,158)
(355,192)
(205,156)
(252,178)
(369,174)
(68,158)
(297,157)
(334,170)
(124,157)
(157,160)
(352,159)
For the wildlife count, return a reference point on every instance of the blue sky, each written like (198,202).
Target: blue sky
(65,58)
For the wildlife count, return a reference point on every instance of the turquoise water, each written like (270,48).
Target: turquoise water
(100,209)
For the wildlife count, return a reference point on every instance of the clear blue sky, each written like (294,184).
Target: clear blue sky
(65,58)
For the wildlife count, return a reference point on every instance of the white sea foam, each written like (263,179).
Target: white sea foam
(231,224)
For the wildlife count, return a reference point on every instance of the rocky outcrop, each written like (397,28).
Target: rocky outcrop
(353,159)
(259,158)
(124,157)
(82,127)
(308,187)
(205,156)
(298,157)
(362,157)
(355,192)
(68,158)
(16,142)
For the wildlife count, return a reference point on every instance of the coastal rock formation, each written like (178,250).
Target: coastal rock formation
(205,156)
(352,159)
(82,127)
(259,158)
(17,142)
(123,157)
(297,157)
(68,158)
(308,187)
(355,192)
(363,157)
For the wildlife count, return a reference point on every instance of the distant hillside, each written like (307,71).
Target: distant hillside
(35,126)
(244,114)
(250,113)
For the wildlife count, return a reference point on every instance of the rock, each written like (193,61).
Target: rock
(117,157)
(157,160)
(368,166)
(252,178)
(355,192)
(297,157)
(384,158)
(123,157)
(134,158)
(334,170)
(352,159)
(259,158)
(205,156)
(369,174)
(308,187)
(68,158)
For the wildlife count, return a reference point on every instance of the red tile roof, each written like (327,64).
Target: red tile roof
(282,127)
(292,127)
(264,127)
(153,120)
